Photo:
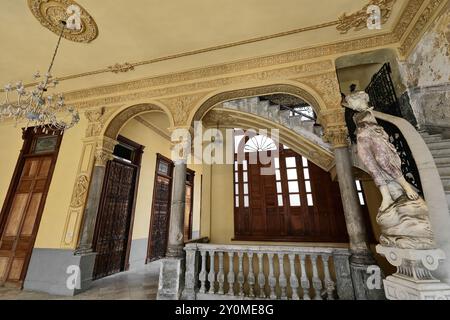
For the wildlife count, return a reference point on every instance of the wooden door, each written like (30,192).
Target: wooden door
(159,226)
(114,225)
(24,205)
(114,218)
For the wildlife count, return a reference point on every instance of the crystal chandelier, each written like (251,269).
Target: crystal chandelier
(37,107)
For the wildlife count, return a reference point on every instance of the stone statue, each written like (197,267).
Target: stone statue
(403,215)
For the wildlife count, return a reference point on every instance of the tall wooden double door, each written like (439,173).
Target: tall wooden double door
(24,204)
(112,238)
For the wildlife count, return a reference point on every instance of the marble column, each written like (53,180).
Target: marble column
(102,156)
(176,229)
(171,275)
(361,257)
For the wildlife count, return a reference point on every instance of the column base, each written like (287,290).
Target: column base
(413,279)
(53,271)
(361,277)
(171,279)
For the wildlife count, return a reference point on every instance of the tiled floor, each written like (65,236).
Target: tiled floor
(141,284)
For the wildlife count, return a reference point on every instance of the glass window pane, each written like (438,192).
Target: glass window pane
(292,174)
(280,200)
(361,199)
(245,188)
(286,147)
(236,166)
(278,175)
(236,189)
(163,167)
(246,202)
(358,185)
(308,186)
(236,177)
(46,144)
(279,189)
(294,199)
(306,173)
(237,202)
(244,165)
(293,187)
(237,141)
(310,200)
(305,162)
(277,163)
(291,162)
(245,176)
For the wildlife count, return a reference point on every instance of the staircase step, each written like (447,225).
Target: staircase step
(431,139)
(274,113)
(442,161)
(440,153)
(446,182)
(443,144)
(295,121)
(444,170)
(263,108)
(284,117)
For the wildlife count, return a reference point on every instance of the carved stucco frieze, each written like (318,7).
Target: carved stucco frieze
(327,85)
(80,191)
(181,107)
(51,12)
(358,20)
(420,26)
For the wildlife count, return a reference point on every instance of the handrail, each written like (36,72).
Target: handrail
(269,249)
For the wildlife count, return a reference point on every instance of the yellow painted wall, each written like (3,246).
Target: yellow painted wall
(360,75)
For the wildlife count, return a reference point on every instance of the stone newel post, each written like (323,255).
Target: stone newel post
(361,258)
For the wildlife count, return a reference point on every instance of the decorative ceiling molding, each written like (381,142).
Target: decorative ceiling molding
(400,31)
(358,20)
(124,67)
(51,12)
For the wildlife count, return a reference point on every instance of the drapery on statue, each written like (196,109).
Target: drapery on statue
(403,214)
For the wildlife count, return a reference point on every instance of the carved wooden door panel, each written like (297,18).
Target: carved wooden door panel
(159,226)
(24,204)
(114,218)
(160,220)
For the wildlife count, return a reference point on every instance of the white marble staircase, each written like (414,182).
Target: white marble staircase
(283,116)
(440,149)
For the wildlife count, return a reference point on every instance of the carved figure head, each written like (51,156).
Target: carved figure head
(358,101)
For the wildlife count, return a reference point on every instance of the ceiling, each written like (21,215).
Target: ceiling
(137,30)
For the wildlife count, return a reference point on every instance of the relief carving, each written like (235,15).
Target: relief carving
(80,191)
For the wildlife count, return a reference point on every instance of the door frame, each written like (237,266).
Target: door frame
(29,136)
(149,241)
(139,150)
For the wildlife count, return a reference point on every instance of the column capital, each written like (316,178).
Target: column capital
(337,136)
(104,151)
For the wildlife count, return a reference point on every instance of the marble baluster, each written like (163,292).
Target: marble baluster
(202,275)
(212,273)
(241,278)
(282,280)
(293,281)
(220,275)
(261,277)
(272,278)
(231,276)
(317,283)
(251,275)
(304,281)
(329,283)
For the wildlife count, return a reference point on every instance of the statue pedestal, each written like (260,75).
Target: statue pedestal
(413,279)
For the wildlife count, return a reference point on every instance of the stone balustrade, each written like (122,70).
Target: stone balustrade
(266,272)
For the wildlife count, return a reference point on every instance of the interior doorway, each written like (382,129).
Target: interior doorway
(162,192)
(112,239)
(25,201)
